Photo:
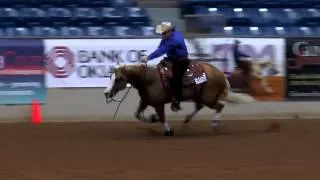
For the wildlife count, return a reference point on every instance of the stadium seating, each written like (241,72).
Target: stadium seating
(261,17)
(126,18)
(73,18)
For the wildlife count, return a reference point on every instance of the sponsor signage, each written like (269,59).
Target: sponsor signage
(89,62)
(303,64)
(219,51)
(22,71)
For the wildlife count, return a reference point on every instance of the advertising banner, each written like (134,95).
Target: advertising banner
(268,52)
(303,64)
(22,71)
(88,62)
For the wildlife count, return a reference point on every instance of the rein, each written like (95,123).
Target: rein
(124,97)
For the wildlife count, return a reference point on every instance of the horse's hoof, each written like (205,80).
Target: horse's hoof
(169,133)
(187,120)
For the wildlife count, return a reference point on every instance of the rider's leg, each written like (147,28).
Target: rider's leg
(176,85)
(179,68)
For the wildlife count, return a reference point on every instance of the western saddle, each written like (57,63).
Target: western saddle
(194,71)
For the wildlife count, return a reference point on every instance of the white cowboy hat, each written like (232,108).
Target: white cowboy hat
(163,27)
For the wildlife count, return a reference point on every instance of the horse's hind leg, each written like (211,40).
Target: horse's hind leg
(218,107)
(198,107)
(263,83)
(257,69)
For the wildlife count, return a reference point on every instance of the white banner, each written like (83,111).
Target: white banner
(88,62)
(219,51)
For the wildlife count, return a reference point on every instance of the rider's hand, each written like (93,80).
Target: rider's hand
(144,59)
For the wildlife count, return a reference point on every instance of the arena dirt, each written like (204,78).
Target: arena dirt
(243,150)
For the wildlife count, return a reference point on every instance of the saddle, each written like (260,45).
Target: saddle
(194,75)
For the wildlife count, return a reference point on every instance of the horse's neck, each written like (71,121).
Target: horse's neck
(143,80)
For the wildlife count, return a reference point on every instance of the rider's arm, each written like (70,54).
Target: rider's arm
(161,50)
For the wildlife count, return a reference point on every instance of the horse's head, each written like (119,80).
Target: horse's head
(121,76)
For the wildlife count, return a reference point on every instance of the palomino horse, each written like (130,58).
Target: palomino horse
(256,66)
(203,83)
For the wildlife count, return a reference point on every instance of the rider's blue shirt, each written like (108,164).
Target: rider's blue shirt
(174,47)
(237,55)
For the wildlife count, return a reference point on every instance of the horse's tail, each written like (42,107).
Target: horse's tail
(234,97)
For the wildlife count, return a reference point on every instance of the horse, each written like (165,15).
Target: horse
(256,66)
(203,83)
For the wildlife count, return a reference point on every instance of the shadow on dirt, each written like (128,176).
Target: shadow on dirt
(200,132)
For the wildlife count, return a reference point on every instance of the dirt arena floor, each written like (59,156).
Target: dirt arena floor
(243,150)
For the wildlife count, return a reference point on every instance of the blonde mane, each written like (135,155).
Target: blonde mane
(130,69)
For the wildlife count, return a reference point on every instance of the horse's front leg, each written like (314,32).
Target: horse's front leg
(142,106)
(161,115)
(264,83)
(257,73)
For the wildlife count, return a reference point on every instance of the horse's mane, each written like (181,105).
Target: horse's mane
(132,69)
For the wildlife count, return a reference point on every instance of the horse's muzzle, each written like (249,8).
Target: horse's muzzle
(108,98)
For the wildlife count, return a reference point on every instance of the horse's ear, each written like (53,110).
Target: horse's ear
(116,69)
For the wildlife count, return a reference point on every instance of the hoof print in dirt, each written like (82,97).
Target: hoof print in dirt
(185,126)
(273,127)
(219,129)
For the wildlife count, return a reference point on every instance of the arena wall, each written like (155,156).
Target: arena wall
(89,105)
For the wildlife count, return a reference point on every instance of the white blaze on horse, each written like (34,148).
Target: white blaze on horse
(203,83)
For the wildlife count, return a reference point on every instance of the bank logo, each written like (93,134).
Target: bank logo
(60,62)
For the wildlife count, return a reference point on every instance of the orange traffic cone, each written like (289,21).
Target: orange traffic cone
(36,112)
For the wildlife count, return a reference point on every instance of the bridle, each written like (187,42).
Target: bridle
(124,97)
(112,99)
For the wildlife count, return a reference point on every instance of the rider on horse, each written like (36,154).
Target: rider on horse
(241,64)
(238,55)
(173,45)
